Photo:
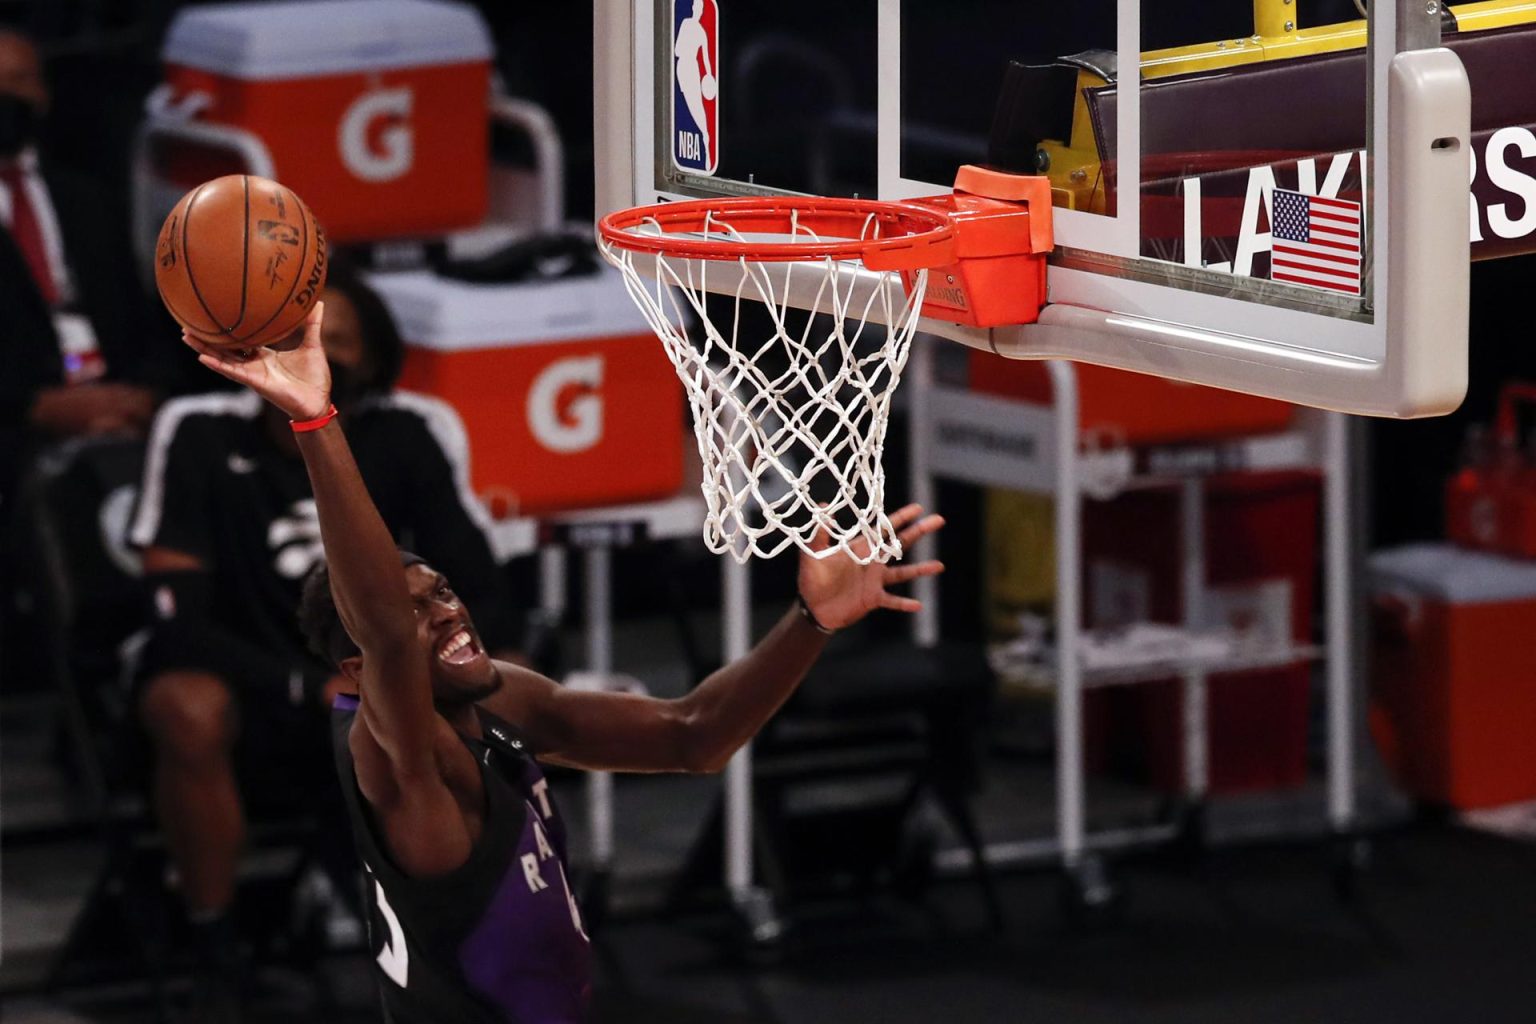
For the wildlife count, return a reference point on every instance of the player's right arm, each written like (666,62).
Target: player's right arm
(366,579)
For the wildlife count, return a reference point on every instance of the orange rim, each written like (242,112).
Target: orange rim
(906,237)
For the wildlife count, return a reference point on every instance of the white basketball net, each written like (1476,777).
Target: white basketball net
(791,425)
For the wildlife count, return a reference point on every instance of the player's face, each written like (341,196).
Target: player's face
(342,331)
(461,669)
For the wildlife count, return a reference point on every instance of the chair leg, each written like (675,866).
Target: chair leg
(958,809)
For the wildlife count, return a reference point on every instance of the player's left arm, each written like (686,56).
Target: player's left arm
(700,732)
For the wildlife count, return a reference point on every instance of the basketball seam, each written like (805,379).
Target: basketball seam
(299,273)
(245,247)
(186,255)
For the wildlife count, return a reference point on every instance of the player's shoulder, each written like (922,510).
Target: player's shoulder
(212,411)
(428,418)
(408,405)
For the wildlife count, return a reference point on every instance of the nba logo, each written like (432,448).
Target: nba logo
(695,85)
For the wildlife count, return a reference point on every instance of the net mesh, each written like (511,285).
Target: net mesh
(790,368)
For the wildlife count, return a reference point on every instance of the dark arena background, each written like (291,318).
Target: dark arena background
(176,843)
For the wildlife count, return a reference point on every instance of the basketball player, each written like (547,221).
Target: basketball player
(234,706)
(471,914)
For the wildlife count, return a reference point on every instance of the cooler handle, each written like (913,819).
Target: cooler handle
(149,203)
(548,153)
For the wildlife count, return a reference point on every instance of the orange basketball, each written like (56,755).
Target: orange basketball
(240,261)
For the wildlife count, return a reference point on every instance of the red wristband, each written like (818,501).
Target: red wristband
(304,426)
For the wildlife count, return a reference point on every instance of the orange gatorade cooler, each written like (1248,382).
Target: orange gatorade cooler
(568,398)
(1453,673)
(373,110)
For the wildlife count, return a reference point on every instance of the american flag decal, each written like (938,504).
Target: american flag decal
(1316,241)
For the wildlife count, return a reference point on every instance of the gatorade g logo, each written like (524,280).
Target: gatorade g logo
(565,412)
(375,139)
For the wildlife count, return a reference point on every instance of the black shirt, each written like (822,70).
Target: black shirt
(216,487)
(498,940)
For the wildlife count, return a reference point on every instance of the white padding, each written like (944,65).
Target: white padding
(1430,261)
(307,38)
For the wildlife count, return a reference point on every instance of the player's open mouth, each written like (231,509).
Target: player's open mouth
(460,649)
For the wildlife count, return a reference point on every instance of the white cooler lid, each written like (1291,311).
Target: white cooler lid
(445,315)
(1451,574)
(306,38)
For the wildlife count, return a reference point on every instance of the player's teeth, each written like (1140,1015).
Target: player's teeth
(460,639)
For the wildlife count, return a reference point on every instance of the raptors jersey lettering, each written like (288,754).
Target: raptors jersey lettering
(497,941)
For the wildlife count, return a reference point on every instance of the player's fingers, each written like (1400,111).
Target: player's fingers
(312,326)
(820,539)
(195,343)
(904,515)
(896,574)
(233,369)
(223,353)
(900,604)
(229,356)
(920,529)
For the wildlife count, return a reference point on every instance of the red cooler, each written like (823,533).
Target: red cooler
(373,110)
(1453,673)
(568,398)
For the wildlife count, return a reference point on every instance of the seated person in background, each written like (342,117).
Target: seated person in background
(78,345)
(226,688)
(79,351)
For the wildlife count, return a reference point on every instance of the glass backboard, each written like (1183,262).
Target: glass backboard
(1241,197)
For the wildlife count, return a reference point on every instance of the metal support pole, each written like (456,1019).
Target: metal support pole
(919,384)
(1196,754)
(552,594)
(1340,664)
(736,612)
(1070,786)
(599,623)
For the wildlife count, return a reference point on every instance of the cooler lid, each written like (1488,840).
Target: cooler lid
(301,38)
(1451,574)
(445,315)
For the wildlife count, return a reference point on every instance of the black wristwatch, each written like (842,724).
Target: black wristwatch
(809,616)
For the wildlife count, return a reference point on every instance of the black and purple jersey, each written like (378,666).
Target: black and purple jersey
(499,940)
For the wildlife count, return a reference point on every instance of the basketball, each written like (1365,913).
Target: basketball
(708,87)
(240,261)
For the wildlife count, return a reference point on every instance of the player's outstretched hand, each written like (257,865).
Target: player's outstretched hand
(295,378)
(839,591)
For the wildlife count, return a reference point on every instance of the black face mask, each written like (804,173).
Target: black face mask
(348,386)
(18,124)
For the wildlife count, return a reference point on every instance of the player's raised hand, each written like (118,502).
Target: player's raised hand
(294,377)
(839,591)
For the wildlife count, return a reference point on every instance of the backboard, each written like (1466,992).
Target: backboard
(1271,205)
